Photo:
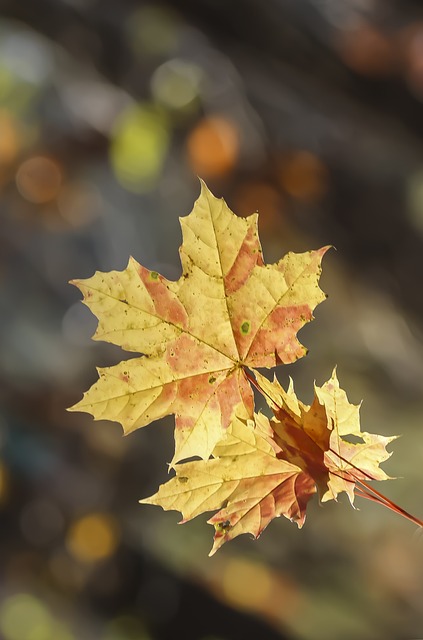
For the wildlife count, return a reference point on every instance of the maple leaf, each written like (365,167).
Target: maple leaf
(228,311)
(245,481)
(317,438)
(267,468)
(198,341)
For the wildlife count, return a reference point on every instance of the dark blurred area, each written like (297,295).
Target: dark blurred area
(309,111)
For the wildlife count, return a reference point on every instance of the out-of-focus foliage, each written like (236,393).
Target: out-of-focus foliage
(310,112)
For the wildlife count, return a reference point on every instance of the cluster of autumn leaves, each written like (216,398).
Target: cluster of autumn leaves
(202,339)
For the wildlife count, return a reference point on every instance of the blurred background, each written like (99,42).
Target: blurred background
(309,111)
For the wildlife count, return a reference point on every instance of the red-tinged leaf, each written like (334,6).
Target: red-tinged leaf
(227,311)
(246,483)
(315,437)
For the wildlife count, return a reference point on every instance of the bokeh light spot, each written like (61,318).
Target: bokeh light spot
(304,176)
(238,579)
(24,617)
(213,147)
(93,537)
(258,196)
(39,179)
(367,50)
(176,84)
(27,55)
(10,139)
(139,147)
(7,83)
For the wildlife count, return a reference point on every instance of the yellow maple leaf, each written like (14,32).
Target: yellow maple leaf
(227,311)
(246,482)
(267,468)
